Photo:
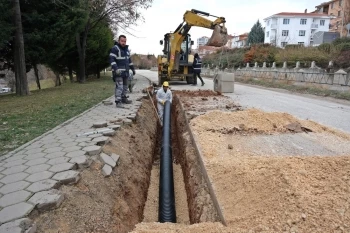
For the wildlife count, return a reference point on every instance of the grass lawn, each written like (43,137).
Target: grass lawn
(23,118)
(46,83)
(299,89)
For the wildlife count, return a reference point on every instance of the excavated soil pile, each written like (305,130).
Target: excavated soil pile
(262,178)
(114,204)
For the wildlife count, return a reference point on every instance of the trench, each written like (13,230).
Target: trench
(193,202)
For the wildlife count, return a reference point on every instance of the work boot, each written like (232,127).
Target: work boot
(203,83)
(119,104)
(126,101)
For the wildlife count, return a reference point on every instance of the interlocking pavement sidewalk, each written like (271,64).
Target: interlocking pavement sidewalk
(31,175)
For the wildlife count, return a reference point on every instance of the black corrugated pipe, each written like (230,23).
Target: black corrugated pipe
(167,212)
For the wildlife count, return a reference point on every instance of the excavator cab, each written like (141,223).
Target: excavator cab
(182,57)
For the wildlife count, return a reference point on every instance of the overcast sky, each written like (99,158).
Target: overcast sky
(165,15)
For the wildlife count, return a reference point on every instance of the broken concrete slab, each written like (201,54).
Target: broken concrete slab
(19,226)
(114,127)
(16,211)
(106,170)
(75,153)
(109,133)
(101,140)
(82,161)
(14,198)
(47,200)
(67,177)
(127,121)
(13,187)
(92,150)
(100,124)
(106,159)
(43,185)
(115,157)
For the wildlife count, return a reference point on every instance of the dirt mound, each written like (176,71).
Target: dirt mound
(200,93)
(252,121)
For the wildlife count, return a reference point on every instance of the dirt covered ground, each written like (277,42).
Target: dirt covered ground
(114,204)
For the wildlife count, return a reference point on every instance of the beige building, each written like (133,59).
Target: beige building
(340,9)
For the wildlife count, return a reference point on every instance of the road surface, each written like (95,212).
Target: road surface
(321,110)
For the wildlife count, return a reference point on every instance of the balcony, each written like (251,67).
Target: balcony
(314,25)
(273,26)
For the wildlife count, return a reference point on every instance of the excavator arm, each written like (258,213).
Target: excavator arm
(190,19)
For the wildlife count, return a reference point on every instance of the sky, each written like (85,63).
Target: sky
(165,15)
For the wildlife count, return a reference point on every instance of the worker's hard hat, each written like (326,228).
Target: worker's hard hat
(165,84)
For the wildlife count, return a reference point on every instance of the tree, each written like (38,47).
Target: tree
(20,64)
(6,24)
(256,35)
(119,13)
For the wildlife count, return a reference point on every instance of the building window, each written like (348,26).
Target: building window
(340,2)
(267,34)
(332,5)
(268,22)
(283,44)
(285,32)
(338,13)
(322,22)
(300,43)
(285,21)
(301,32)
(303,21)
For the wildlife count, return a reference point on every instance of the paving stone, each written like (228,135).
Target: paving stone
(53,149)
(62,167)
(75,153)
(15,157)
(35,156)
(101,140)
(100,124)
(14,198)
(14,178)
(106,159)
(48,140)
(33,151)
(55,155)
(66,140)
(106,170)
(82,139)
(46,200)
(86,144)
(115,157)
(108,103)
(92,150)
(2,168)
(92,136)
(23,225)
(16,211)
(82,161)
(59,137)
(36,161)
(37,168)
(14,169)
(39,176)
(67,177)
(109,133)
(43,185)
(71,148)
(14,163)
(69,144)
(34,145)
(127,121)
(13,187)
(132,117)
(58,160)
(114,127)
(51,145)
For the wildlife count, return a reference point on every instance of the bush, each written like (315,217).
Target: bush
(341,40)
(261,53)
(325,47)
(342,47)
(343,60)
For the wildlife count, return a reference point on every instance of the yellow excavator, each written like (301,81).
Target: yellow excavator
(176,62)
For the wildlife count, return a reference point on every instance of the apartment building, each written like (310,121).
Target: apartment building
(202,41)
(294,28)
(239,41)
(340,9)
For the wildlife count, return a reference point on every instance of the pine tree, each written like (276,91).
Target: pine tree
(256,34)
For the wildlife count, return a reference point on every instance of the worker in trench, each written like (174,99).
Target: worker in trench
(164,94)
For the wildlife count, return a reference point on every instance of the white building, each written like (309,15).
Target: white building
(202,41)
(294,28)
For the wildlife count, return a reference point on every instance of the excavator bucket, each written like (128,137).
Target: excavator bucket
(219,37)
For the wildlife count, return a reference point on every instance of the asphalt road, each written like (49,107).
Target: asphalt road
(319,109)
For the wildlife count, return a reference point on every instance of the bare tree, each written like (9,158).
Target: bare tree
(20,64)
(119,14)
